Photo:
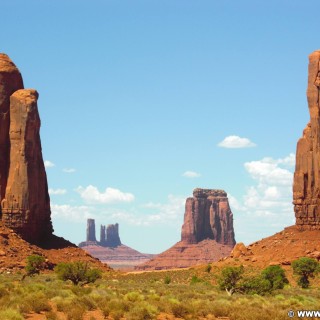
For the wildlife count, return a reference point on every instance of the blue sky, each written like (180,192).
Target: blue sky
(143,101)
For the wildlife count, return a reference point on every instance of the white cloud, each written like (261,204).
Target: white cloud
(48,164)
(268,171)
(91,194)
(191,174)
(267,204)
(236,142)
(170,212)
(57,191)
(69,170)
(72,213)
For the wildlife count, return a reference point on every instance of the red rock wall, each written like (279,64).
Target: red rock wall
(306,184)
(26,205)
(25,202)
(208,216)
(10,81)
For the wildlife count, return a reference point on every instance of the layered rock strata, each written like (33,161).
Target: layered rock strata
(208,216)
(306,184)
(25,202)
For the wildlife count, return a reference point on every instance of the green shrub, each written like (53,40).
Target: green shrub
(305,268)
(276,276)
(208,268)
(35,264)
(256,285)
(230,278)
(77,272)
(167,280)
(195,280)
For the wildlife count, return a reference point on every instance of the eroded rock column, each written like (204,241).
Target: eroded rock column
(26,204)
(306,183)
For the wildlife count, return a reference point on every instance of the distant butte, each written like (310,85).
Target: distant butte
(109,249)
(207,233)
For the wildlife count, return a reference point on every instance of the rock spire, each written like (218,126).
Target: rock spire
(25,202)
(306,184)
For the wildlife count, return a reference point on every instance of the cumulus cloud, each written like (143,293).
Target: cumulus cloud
(69,170)
(57,191)
(191,174)
(91,194)
(267,204)
(48,164)
(72,213)
(236,142)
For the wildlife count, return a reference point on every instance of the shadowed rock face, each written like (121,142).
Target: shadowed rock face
(208,216)
(306,185)
(25,202)
(91,230)
(112,232)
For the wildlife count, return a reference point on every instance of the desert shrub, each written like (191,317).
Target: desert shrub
(167,280)
(276,276)
(133,296)
(208,268)
(256,285)
(10,314)
(305,268)
(77,272)
(230,278)
(35,264)
(195,280)
(35,302)
(142,311)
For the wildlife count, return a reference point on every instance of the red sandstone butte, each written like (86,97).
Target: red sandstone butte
(25,202)
(208,216)
(207,233)
(306,185)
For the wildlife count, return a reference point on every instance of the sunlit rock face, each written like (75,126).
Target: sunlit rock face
(306,184)
(208,216)
(25,202)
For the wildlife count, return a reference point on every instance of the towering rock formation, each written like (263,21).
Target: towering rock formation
(113,239)
(207,233)
(25,202)
(306,185)
(91,230)
(208,216)
(10,81)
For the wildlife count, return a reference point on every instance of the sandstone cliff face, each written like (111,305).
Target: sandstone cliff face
(10,81)
(208,216)
(25,202)
(306,185)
